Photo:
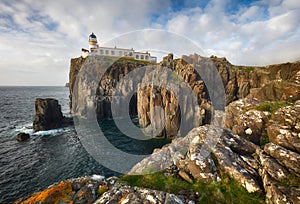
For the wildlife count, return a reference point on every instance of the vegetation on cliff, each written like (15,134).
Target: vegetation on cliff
(225,191)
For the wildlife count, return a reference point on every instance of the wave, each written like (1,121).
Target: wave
(27,128)
(49,132)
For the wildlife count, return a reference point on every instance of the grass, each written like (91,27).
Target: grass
(271,106)
(265,140)
(247,69)
(226,191)
(120,59)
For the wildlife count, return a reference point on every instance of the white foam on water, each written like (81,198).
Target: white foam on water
(27,128)
(49,132)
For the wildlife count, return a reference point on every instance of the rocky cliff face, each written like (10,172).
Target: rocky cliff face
(92,82)
(271,83)
(98,77)
(48,114)
(270,166)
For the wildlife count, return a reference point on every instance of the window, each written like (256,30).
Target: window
(112,52)
(130,54)
(142,57)
(146,57)
(120,53)
(125,53)
(137,57)
(106,52)
(101,52)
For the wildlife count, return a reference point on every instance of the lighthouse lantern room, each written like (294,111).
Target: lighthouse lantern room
(93,43)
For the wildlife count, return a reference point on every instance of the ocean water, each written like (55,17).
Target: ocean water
(49,156)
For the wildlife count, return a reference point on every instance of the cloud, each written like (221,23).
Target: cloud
(243,36)
(38,38)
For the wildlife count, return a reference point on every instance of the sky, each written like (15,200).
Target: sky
(38,38)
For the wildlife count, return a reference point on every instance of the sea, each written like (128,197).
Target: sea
(50,156)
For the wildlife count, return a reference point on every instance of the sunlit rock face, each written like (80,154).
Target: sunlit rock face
(166,112)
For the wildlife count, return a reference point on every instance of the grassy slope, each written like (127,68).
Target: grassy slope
(226,191)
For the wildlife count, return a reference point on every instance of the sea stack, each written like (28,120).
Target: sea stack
(48,114)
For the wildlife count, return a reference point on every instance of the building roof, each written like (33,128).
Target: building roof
(93,35)
(116,48)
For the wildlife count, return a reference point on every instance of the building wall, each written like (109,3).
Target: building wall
(120,52)
(85,54)
(106,51)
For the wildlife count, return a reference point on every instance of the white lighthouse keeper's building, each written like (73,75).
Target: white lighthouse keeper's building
(95,49)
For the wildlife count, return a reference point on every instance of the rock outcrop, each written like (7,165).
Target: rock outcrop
(285,127)
(48,115)
(203,152)
(93,81)
(99,190)
(121,193)
(243,119)
(208,151)
(97,78)
(244,152)
(81,190)
(22,136)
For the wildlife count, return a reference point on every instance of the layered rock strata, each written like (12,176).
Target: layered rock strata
(94,80)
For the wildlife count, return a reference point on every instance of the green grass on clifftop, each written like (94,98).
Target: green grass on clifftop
(246,68)
(271,106)
(113,59)
(226,191)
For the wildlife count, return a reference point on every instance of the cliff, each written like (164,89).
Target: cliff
(97,78)
(253,156)
(207,152)
(92,82)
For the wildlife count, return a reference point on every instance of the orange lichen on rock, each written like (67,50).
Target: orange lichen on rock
(102,189)
(122,199)
(61,192)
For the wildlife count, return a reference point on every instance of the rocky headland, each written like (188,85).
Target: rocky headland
(250,152)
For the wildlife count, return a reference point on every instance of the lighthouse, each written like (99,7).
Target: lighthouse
(93,43)
(94,50)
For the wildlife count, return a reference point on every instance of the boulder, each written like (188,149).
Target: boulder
(285,127)
(289,159)
(202,152)
(80,190)
(278,91)
(121,193)
(48,114)
(244,120)
(279,194)
(22,136)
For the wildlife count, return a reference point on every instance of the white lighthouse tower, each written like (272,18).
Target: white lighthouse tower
(93,43)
